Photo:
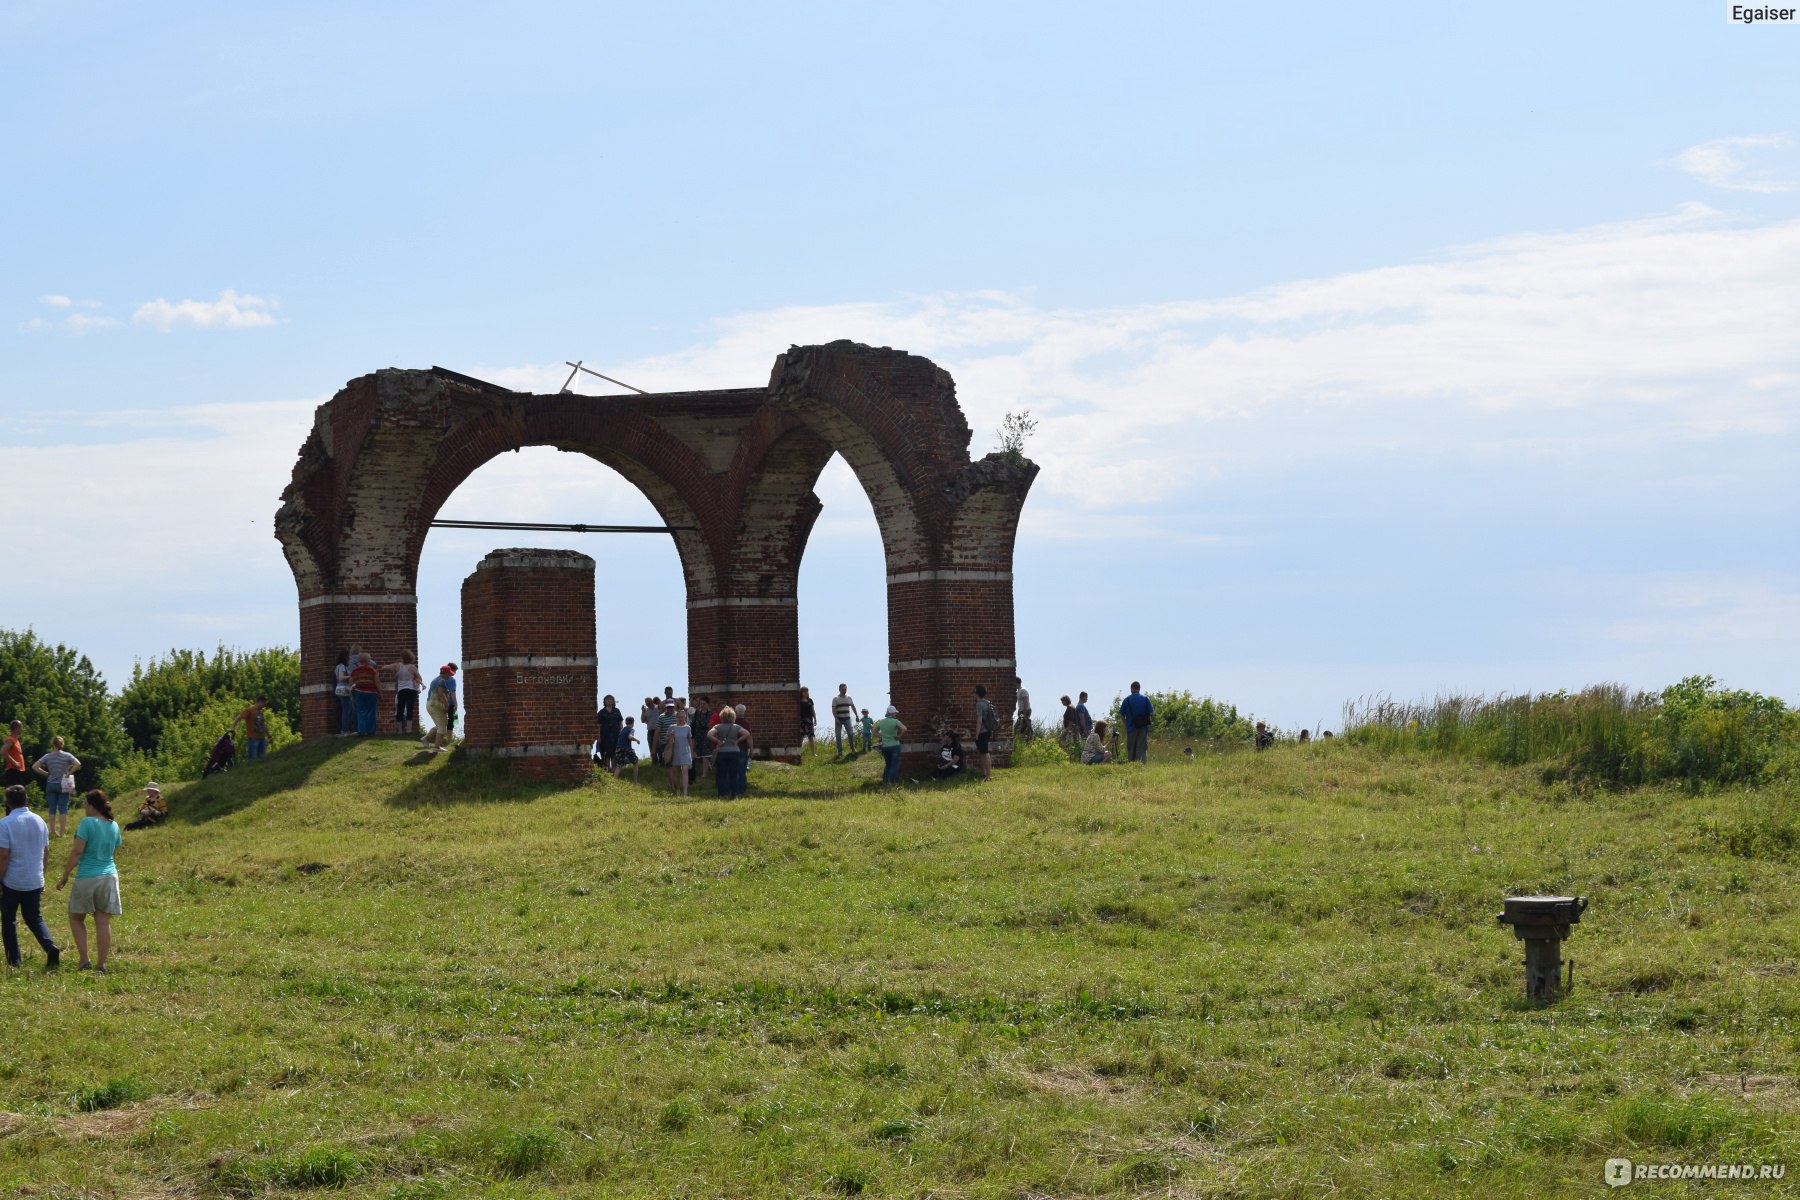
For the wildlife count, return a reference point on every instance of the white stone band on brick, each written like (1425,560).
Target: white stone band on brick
(314,689)
(934,576)
(359,598)
(744,602)
(532,660)
(720,689)
(928,664)
(568,560)
(582,749)
(777,751)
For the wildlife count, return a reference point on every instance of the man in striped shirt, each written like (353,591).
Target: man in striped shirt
(843,718)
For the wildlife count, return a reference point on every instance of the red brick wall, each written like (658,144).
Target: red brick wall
(734,470)
(528,662)
(381,623)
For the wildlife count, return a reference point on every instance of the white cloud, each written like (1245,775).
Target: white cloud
(74,322)
(231,310)
(1721,164)
(1634,334)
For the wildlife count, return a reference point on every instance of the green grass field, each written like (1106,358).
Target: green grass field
(356,969)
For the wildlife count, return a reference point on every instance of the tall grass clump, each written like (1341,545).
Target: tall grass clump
(1694,732)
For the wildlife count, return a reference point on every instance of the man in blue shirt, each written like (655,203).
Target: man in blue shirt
(24,857)
(1135,710)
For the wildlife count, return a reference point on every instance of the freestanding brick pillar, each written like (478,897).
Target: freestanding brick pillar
(528,662)
(731,472)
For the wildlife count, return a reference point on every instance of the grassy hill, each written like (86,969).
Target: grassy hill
(358,968)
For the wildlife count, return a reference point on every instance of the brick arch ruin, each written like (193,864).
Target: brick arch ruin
(734,469)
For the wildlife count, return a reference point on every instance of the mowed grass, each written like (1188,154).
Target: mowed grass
(355,969)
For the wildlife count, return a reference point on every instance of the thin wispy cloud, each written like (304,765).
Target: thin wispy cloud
(78,316)
(232,310)
(1730,163)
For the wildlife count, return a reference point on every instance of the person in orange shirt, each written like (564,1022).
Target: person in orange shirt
(12,757)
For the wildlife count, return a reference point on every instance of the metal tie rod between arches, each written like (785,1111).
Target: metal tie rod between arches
(561,528)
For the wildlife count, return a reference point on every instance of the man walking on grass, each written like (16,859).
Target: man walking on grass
(256,729)
(24,857)
(1135,711)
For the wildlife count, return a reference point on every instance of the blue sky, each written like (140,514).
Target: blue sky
(1384,349)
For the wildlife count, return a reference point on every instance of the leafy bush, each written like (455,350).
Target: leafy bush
(1183,714)
(187,742)
(1040,752)
(185,681)
(56,691)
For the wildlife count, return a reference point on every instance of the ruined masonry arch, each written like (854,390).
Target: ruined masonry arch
(735,467)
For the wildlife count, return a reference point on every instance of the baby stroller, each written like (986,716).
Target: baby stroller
(224,753)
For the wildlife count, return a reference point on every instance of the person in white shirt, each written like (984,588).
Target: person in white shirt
(407,685)
(24,857)
(1022,722)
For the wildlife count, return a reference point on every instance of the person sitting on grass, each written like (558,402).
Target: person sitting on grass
(1094,751)
(626,755)
(152,810)
(950,757)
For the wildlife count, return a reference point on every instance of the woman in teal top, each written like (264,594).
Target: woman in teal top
(96,879)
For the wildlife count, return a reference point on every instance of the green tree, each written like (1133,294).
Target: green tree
(56,691)
(183,682)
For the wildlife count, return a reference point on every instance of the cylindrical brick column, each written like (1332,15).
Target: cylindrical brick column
(383,623)
(948,630)
(746,650)
(528,665)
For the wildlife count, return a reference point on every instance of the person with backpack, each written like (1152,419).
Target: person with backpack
(1135,711)
(987,724)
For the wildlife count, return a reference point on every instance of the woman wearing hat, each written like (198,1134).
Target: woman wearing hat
(891,731)
(152,810)
(440,706)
